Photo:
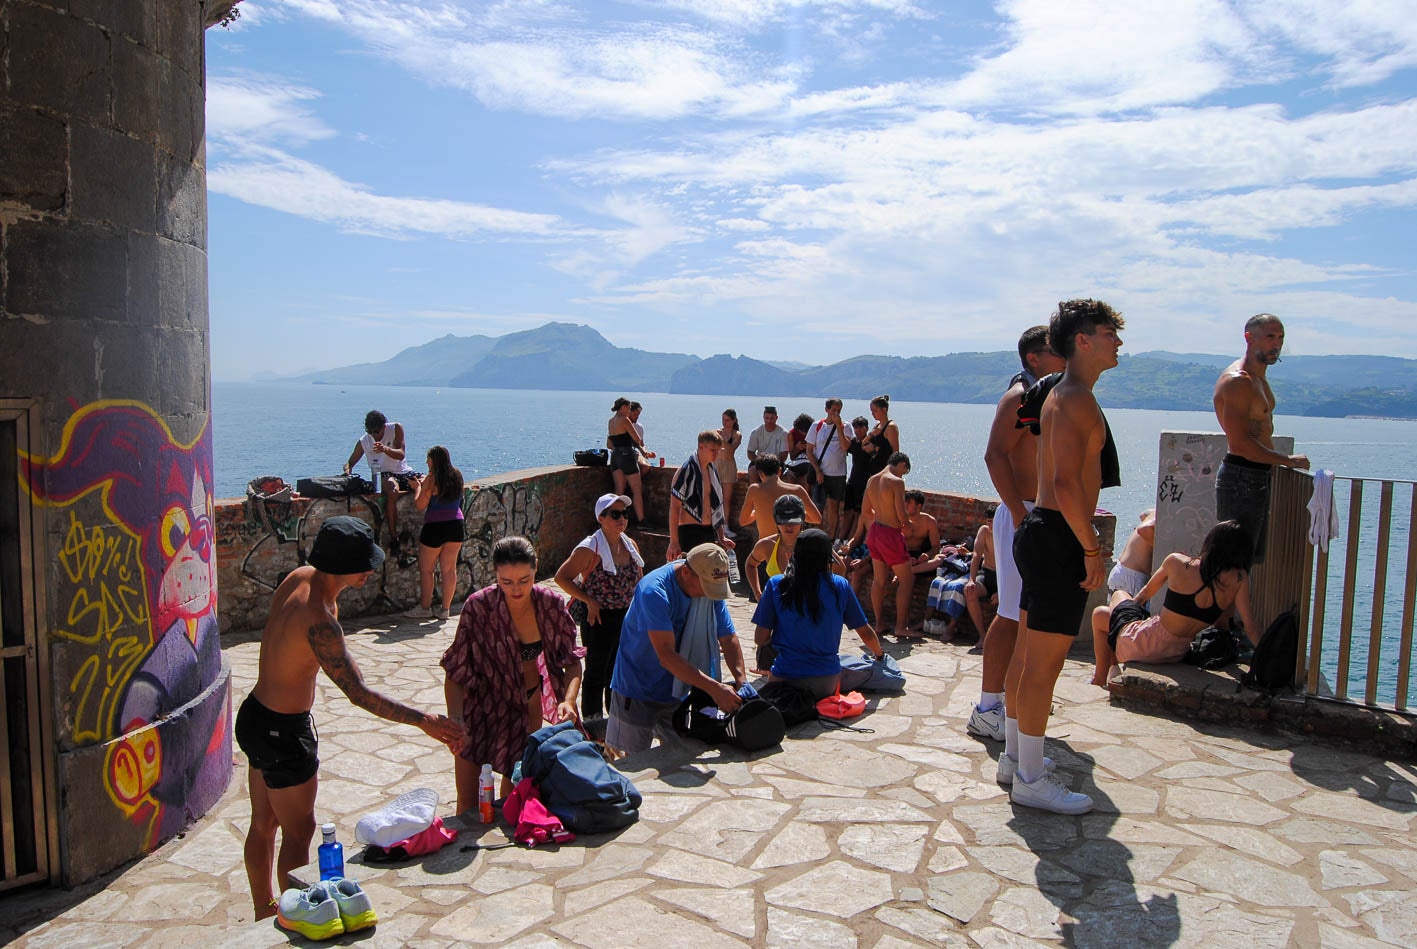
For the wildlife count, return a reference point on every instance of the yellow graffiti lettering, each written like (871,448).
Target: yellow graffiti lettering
(88,673)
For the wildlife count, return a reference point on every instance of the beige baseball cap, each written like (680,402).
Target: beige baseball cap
(710,564)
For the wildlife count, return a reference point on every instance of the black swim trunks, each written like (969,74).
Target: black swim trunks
(282,746)
(1050,561)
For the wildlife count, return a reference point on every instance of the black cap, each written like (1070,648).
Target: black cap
(345,545)
(789,509)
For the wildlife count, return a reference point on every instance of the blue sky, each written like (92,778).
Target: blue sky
(807,179)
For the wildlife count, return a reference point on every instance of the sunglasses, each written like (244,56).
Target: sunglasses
(616,514)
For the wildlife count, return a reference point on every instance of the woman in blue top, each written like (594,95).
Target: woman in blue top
(440,499)
(802,613)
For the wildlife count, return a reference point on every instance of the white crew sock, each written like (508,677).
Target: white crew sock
(1030,757)
(988,700)
(1011,737)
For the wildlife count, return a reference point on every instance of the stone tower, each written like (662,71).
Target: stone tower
(116,695)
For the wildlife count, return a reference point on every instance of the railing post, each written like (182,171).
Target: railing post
(1409,594)
(1350,570)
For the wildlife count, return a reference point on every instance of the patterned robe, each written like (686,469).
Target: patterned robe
(485,659)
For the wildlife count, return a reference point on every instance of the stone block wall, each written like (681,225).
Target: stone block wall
(104,349)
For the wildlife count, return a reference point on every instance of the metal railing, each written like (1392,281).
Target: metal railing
(1352,661)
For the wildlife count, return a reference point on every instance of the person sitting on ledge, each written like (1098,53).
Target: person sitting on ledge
(1132,569)
(1201,591)
(801,616)
(382,444)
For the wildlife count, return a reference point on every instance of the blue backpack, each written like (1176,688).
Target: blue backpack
(865,673)
(576,783)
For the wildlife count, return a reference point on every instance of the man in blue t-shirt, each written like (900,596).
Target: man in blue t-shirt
(673,632)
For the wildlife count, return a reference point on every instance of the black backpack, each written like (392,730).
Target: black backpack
(795,704)
(1273,664)
(1213,648)
(757,723)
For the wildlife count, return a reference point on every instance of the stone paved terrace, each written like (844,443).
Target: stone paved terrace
(1202,836)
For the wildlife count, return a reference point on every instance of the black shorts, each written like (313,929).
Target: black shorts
(283,747)
(438,533)
(404,481)
(834,487)
(692,535)
(625,460)
(855,494)
(989,580)
(1050,562)
(1123,614)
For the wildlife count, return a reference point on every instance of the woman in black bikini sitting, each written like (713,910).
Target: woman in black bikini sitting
(513,664)
(1201,591)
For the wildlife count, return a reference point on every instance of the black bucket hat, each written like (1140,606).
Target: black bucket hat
(345,545)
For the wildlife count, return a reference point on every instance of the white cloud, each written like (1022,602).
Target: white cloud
(273,179)
(248,108)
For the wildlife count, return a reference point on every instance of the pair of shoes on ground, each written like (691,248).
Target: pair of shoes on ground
(326,909)
(939,627)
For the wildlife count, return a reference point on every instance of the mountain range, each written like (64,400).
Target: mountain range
(573,357)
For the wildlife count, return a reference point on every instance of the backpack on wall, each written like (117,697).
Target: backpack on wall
(1273,664)
(334,486)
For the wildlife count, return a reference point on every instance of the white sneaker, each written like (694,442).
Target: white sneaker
(1008,767)
(988,724)
(418,612)
(439,613)
(1049,794)
(934,627)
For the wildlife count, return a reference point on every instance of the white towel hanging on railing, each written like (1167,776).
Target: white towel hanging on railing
(1323,516)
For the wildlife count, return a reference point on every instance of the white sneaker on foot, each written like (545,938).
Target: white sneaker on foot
(988,724)
(1049,794)
(418,612)
(1008,767)
(440,613)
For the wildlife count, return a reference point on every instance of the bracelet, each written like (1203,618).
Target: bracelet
(1094,552)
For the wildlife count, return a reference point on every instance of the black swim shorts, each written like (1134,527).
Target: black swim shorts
(282,746)
(625,460)
(1050,562)
(834,487)
(1123,614)
(439,533)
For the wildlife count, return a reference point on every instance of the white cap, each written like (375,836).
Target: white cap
(605,500)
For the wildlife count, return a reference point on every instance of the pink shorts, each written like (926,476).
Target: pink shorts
(887,544)
(1147,640)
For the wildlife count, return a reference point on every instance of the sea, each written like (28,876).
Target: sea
(297,430)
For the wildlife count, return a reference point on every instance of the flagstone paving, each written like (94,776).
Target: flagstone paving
(884,839)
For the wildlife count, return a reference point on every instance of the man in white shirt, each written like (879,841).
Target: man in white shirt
(766,439)
(829,441)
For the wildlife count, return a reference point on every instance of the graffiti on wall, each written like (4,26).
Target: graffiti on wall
(491,513)
(136,600)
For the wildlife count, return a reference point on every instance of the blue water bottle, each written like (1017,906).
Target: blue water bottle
(331,854)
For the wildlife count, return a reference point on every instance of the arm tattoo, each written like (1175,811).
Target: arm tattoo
(327,642)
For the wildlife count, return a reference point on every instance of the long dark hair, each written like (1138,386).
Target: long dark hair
(444,475)
(733,414)
(1228,546)
(801,583)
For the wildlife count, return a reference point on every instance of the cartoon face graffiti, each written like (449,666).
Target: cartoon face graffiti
(188,584)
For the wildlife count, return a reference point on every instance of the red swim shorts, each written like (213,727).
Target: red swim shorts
(886,544)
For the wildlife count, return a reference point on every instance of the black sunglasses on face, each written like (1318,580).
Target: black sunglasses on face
(615,515)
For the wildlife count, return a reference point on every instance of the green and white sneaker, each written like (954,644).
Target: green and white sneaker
(355,910)
(311,912)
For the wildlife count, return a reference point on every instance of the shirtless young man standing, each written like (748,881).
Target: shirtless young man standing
(274,727)
(883,515)
(1012,459)
(759,499)
(1057,550)
(1244,404)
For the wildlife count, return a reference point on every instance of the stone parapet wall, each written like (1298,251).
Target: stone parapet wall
(552,506)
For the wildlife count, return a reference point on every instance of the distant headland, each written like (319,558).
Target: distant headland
(570,356)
